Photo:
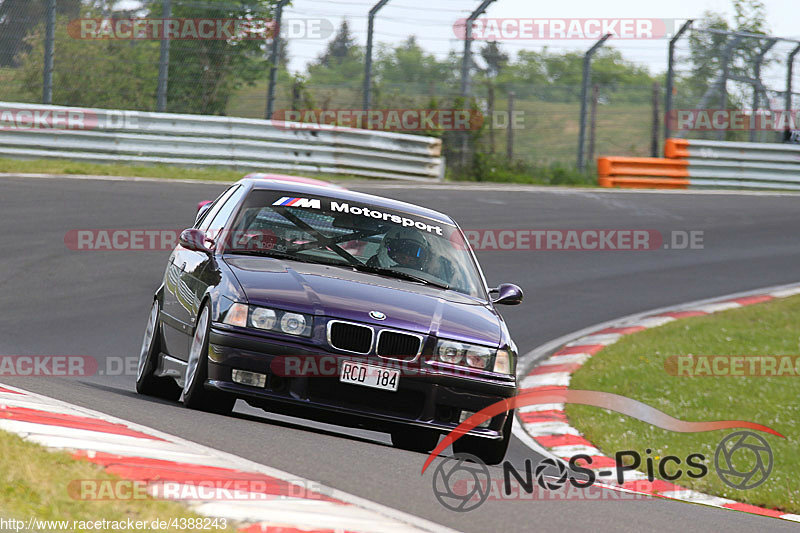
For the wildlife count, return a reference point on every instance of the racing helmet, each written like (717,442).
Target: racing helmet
(404,247)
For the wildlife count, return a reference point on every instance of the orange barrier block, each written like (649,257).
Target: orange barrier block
(645,183)
(643,172)
(676,148)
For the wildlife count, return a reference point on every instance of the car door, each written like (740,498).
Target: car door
(198,269)
(178,311)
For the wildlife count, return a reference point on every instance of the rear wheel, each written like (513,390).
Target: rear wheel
(146,380)
(195,396)
(415,439)
(491,452)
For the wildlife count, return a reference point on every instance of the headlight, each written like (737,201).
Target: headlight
(472,356)
(293,323)
(263,318)
(478,357)
(450,352)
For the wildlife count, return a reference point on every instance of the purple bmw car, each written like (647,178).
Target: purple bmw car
(334,305)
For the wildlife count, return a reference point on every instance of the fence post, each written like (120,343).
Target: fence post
(368,55)
(587,79)
(163,61)
(273,67)
(757,85)
(654,130)
(593,121)
(510,125)
(466,62)
(49,53)
(490,109)
(671,76)
(789,73)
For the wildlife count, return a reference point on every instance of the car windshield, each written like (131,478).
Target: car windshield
(350,234)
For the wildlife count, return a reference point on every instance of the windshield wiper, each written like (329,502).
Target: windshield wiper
(284,255)
(398,274)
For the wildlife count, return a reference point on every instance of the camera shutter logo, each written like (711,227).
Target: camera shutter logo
(745,446)
(461,471)
(542,475)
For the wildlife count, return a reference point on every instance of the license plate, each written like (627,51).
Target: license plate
(376,377)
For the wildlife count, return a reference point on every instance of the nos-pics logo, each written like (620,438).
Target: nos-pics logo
(743,460)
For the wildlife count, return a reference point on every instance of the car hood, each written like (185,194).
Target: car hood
(350,295)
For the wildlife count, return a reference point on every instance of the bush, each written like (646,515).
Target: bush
(496,168)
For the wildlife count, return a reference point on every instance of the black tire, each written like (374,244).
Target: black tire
(195,395)
(415,439)
(491,452)
(146,381)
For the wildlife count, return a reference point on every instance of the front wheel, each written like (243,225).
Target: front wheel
(195,396)
(491,452)
(146,380)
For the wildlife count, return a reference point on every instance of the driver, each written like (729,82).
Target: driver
(403,247)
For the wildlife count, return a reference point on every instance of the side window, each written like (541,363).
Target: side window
(218,203)
(222,215)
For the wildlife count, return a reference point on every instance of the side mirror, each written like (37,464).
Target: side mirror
(194,240)
(507,294)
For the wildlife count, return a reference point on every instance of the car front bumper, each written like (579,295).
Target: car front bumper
(433,399)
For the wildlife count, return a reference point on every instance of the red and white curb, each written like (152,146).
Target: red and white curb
(545,427)
(271,500)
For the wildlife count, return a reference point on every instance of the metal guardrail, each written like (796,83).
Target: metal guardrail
(697,163)
(30,131)
(738,164)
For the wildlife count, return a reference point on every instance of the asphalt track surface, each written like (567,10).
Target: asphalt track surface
(59,301)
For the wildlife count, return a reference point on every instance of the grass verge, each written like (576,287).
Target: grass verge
(34,482)
(635,367)
(488,170)
(65,166)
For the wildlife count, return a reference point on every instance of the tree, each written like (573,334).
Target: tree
(19,17)
(496,60)
(340,49)
(106,74)
(204,73)
(337,73)
(711,52)
(407,75)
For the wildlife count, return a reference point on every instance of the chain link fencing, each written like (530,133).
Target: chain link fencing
(734,86)
(217,62)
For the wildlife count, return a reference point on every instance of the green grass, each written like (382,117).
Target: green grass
(634,367)
(38,483)
(548,133)
(65,166)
